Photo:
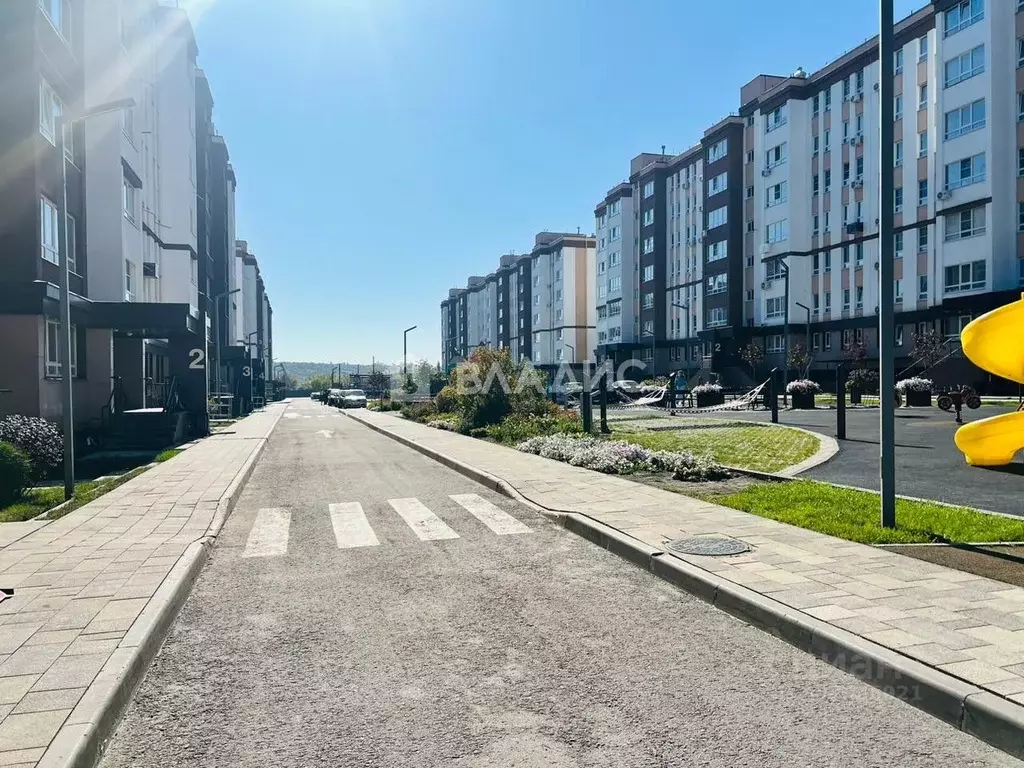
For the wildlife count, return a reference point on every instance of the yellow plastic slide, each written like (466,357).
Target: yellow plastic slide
(995,343)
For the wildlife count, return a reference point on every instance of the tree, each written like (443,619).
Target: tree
(378,382)
(753,355)
(317,383)
(800,358)
(929,348)
(856,355)
(421,375)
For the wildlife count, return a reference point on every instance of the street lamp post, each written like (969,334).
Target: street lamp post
(886,271)
(216,334)
(64,326)
(405,352)
(686,307)
(807,336)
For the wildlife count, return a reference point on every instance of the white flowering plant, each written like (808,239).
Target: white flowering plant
(914,384)
(802,387)
(707,389)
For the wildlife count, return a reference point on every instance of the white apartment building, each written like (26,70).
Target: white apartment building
(563,299)
(616,273)
(812,174)
(686,236)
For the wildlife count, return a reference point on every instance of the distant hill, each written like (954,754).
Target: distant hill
(303,371)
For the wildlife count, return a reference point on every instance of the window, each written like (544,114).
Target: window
(897,291)
(898,200)
(815,226)
(828,181)
(922,239)
(846,130)
(1020,272)
(648,273)
(648,302)
(719,250)
(922,144)
(775,156)
(558,296)
(601,267)
(962,173)
(613,208)
(777,232)
(717,316)
(965,119)
(648,189)
(859,166)
(922,48)
(750,192)
(922,287)
(614,234)
(965,224)
(897,107)
(922,96)
(965,66)
(846,257)
(965,277)
(775,194)
(558,315)
(828,261)
(72,244)
(49,236)
(614,284)
(750,155)
(648,216)
(897,154)
(898,245)
(859,251)
(128,199)
(1020,106)
(129,280)
(846,173)
(49,109)
(827,139)
(922,192)
(615,308)
(613,259)
(828,101)
(846,87)
(718,151)
(775,344)
(1020,52)
(775,119)
(827,339)
(963,15)
(828,304)
(1020,216)
(718,217)
(750,226)
(846,299)
(817,302)
(815,105)
(898,62)
(815,186)
(750,294)
(52,349)
(717,284)
(718,184)
(774,308)
(128,123)
(815,342)
(1020,161)
(648,245)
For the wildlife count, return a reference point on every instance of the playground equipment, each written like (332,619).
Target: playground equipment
(995,343)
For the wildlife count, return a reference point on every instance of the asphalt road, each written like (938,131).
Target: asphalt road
(533,649)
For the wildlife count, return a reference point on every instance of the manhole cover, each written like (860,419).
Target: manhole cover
(708,545)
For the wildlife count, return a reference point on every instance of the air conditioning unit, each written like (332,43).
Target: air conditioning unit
(846,182)
(150,269)
(766,171)
(765,249)
(857,96)
(766,285)
(857,184)
(858,139)
(686,185)
(944,195)
(876,87)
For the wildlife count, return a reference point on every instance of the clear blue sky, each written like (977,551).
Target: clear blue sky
(387,149)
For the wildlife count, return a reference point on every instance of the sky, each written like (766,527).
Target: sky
(385,150)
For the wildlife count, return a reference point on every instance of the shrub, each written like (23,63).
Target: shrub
(446,400)
(914,384)
(489,386)
(419,412)
(516,428)
(39,439)
(707,389)
(802,387)
(862,380)
(15,472)
(444,424)
(617,457)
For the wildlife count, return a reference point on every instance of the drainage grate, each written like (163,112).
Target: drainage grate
(714,546)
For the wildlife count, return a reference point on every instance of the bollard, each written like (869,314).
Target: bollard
(672,392)
(841,402)
(602,397)
(773,395)
(587,407)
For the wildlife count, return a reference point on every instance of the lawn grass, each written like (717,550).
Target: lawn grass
(765,449)
(170,453)
(36,501)
(854,515)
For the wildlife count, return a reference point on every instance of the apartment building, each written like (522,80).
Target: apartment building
(812,174)
(539,305)
(139,212)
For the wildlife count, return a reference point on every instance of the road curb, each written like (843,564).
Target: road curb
(990,718)
(83,737)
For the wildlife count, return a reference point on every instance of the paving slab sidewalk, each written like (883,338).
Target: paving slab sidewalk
(96,590)
(968,628)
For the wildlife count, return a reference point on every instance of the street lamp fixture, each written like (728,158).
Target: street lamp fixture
(67,395)
(685,306)
(216,331)
(405,351)
(807,341)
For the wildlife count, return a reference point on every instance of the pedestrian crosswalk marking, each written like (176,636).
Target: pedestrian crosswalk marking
(351,527)
(269,534)
(499,521)
(424,523)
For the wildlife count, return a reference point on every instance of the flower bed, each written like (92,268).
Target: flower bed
(708,394)
(802,392)
(917,392)
(616,457)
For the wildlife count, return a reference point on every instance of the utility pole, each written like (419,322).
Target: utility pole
(886,271)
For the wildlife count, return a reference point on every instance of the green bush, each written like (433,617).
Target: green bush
(489,386)
(863,380)
(39,439)
(447,400)
(419,412)
(15,473)
(516,428)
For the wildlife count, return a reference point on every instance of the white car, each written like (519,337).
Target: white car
(353,398)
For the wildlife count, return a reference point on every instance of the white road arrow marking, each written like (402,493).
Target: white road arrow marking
(326,432)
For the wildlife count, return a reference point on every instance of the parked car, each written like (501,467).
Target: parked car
(628,387)
(334,397)
(353,398)
(314,395)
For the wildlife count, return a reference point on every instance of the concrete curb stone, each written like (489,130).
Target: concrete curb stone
(84,736)
(996,721)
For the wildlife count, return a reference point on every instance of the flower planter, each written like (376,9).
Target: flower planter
(855,397)
(916,399)
(802,401)
(706,400)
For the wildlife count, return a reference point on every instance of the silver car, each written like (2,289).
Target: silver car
(353,398)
